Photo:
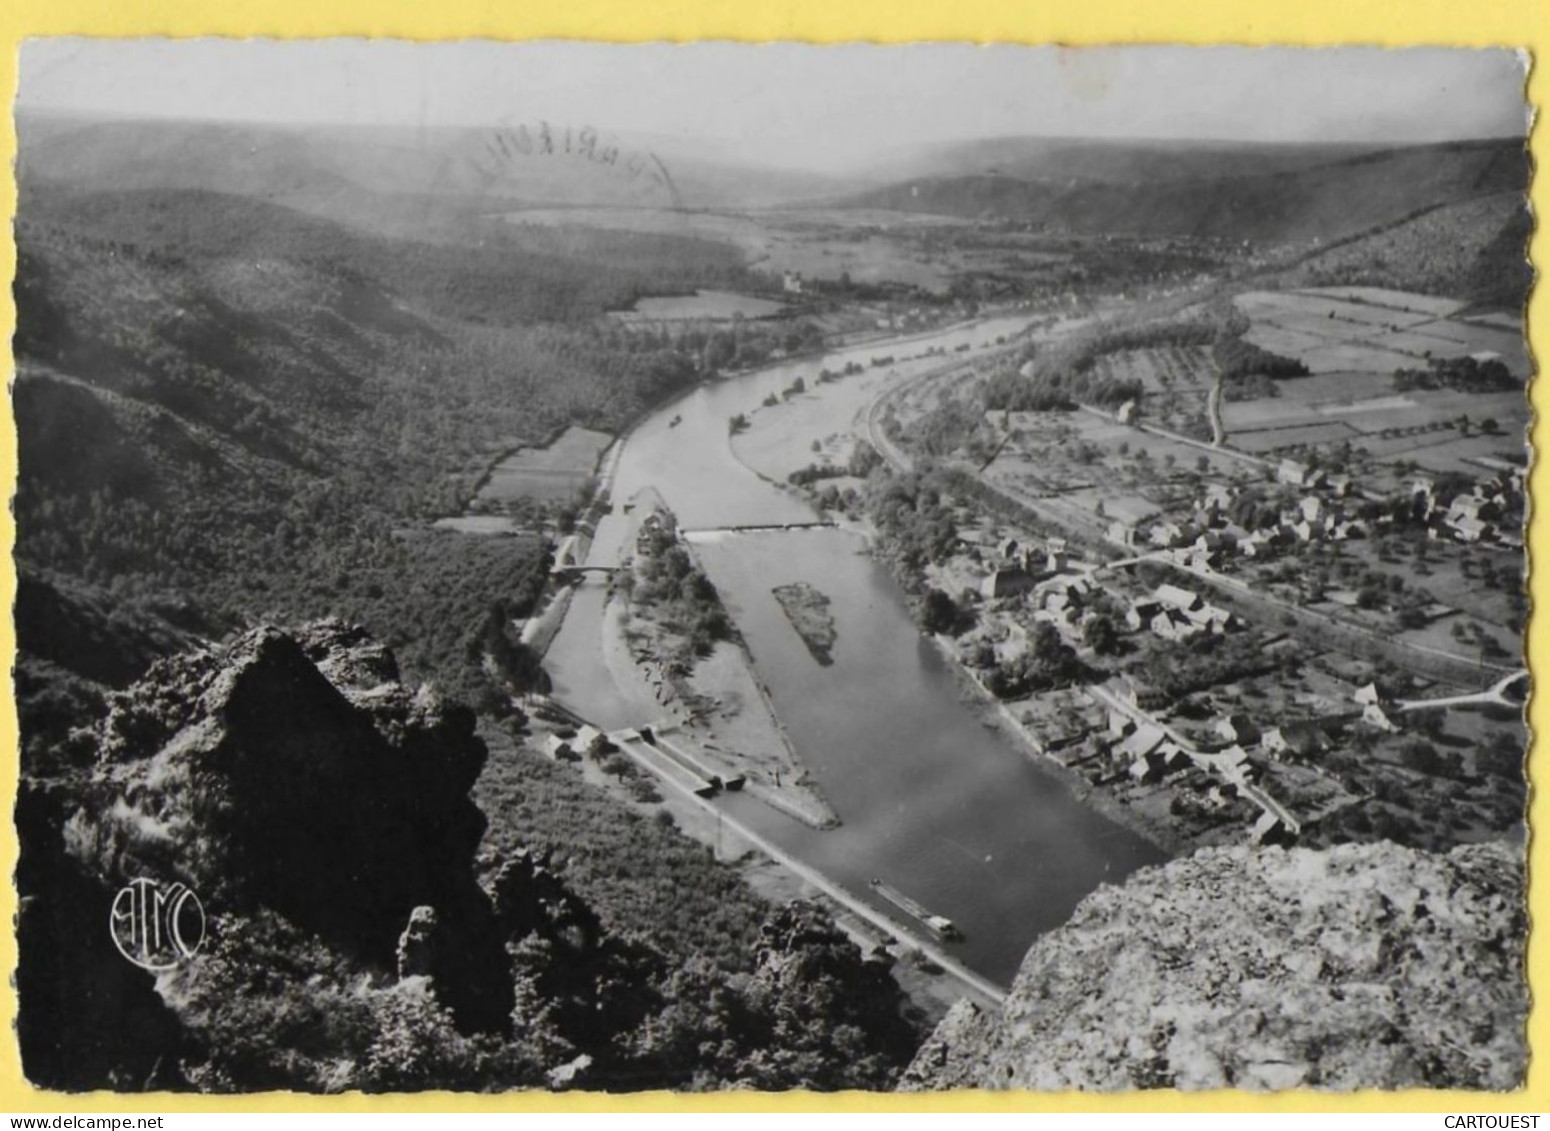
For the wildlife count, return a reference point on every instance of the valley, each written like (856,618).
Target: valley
(959,542)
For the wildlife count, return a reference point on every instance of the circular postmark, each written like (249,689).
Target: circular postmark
(156,926)
(512,151)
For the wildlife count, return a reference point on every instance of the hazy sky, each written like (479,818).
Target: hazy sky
(789,103)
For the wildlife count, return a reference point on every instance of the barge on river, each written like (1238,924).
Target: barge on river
(939,925)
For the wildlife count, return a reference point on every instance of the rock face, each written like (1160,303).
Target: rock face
(1360,966)
(292,771)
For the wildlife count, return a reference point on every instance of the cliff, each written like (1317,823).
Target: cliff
(356,929)
(1360,966)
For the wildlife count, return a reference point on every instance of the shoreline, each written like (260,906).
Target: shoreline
(737,732)
(999,715)
(777,874)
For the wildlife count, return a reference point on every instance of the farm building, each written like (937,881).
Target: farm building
(1141,613)
(1177,597)
(1010,582)
(1140,742)
(1295,473)
(1055,555)
(1237,728)
(1374,715)
(1159,763)
(1122,533)
(1170,624)
(1142,696)
(1302,739)
(558,749)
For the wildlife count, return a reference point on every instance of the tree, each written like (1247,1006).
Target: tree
(939,613)
(1101,634)
(1422,757)
(1501,756)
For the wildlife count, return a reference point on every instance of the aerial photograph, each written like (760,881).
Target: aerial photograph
(614,567)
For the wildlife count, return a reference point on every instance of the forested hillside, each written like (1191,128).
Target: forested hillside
(1474,250)
(235,413)
(258,411)
(1251,194)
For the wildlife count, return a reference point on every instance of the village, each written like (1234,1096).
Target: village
(1228,663)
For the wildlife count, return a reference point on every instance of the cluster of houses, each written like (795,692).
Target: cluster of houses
(570,743)
(1018,567)
(1326,511)
(1146,753)
(1476,516)
(1175,613)
(1208,536)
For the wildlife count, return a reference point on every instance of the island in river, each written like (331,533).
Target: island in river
(931,802)
(808,611)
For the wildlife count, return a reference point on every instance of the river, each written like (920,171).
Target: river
(931,801)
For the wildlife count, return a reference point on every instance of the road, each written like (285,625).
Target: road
(1495,695)
(1211,763)
(1390,647)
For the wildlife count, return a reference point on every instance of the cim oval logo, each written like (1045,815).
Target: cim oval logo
(154,926)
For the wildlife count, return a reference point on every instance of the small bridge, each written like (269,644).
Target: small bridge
(578,570)
(761,528)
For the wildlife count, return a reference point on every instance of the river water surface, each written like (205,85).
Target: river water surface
(931,801)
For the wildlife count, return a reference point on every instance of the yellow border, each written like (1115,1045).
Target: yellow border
(1511,23)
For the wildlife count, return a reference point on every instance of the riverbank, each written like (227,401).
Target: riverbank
(933,980)
(997,714)
(721,712)
(933,803)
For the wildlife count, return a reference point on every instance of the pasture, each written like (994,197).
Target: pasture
(868,245)
(709,306)
(554,473)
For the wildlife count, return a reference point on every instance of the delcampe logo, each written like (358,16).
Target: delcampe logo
(156,927)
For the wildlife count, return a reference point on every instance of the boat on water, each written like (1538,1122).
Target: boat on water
(939,925)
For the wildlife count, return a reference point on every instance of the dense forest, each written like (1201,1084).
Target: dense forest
(231,413)
(258,410)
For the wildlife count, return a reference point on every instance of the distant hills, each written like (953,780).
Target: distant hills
(409,179)
(1270,194)
(405,174)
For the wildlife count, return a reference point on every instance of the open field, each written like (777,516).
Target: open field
(712,306)
(1394,300)
(1363,329)
(1071,451)
(478,524)
(1440,430)
(871,246)
(554,472)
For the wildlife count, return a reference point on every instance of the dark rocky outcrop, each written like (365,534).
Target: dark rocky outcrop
(287,778)
(354,934)
(293,772)
(1360,966)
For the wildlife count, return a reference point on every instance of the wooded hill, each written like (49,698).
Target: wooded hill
(1265,194)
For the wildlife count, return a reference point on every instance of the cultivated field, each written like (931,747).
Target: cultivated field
(710,306)
(869,246)
(1354,338)
(1364,329)
(551,473)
